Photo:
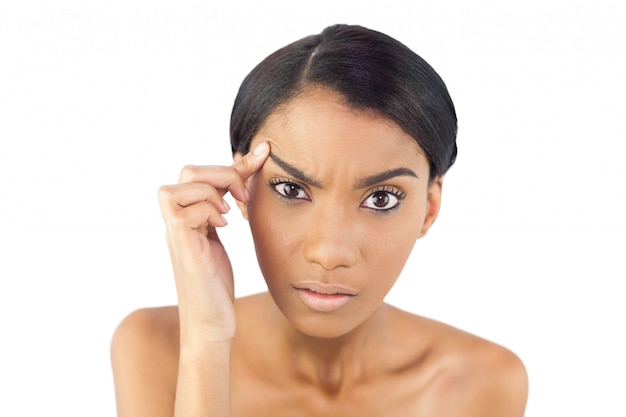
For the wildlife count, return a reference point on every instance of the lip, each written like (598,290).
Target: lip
(324,298)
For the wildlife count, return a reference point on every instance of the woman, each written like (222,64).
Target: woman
(351,134)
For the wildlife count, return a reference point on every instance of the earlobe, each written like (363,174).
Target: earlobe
(433,201)
(243,208)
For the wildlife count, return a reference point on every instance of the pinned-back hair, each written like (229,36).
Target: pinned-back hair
(370,70)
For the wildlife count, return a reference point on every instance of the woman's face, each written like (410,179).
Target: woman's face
(336,209)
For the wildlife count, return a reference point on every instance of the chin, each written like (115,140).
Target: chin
(334,325)
(321,328)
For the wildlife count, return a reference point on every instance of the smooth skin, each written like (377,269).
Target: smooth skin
(338,205)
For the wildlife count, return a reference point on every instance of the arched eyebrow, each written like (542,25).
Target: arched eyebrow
(299,175)
(384,176)
(295,172)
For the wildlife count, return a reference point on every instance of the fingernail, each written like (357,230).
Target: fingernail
(260,149)
(226,206)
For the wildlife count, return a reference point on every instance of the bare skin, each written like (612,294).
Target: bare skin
(322,342)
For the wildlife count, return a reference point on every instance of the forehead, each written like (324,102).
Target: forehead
(318,122)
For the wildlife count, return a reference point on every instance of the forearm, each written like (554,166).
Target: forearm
(203,386)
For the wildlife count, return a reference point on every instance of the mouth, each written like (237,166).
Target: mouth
(324,298)
(325,289)
(325,293)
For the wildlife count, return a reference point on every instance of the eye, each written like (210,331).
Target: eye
(288,189)
(384,199)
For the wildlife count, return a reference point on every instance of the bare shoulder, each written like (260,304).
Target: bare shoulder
(471,376)
(144,357)
(484,379)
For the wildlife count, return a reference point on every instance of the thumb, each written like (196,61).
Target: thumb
(252,161)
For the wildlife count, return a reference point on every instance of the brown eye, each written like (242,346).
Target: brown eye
(380,199)
(383,200)
(289,190)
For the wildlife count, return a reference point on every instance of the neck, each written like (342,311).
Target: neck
(333,364)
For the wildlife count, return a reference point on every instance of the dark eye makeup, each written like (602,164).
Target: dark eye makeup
(288,189)
(381,199)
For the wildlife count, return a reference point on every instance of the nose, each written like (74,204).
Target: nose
(332,241)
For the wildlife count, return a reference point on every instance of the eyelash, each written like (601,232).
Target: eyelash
(394,192)
(275,182)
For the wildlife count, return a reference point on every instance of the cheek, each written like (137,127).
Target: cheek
(389,244)
(273,234)
(269,242)
(388,253)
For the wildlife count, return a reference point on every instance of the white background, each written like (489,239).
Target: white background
(101,102)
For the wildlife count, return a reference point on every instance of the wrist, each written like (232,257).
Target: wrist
(198,330)
(204,352)
(204,339)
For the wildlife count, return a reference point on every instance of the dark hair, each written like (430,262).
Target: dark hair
(371,70)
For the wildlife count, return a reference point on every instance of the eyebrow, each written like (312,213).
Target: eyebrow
(299,175)
(295,172)
(384,176)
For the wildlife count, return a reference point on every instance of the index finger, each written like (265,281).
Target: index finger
(252,161)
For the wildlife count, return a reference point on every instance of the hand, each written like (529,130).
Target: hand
(192,210)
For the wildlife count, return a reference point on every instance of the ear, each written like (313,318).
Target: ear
(433,204)
(242,206)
